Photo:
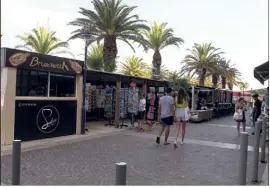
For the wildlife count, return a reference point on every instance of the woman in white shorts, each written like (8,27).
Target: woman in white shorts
(181,114)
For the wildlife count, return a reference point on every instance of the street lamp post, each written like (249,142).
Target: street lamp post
(83,117)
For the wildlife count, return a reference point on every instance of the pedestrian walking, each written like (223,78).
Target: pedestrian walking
(141,112)
(181,114)
(239,115)
(257,110)
(166,115)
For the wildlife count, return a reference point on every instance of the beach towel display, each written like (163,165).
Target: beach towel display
(100,98)
(133,103)
(88,97)
(151,98)
(109,104)
(123,110)
(93,103)
(123,102)
(133,100)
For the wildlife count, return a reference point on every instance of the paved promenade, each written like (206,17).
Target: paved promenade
(210,156)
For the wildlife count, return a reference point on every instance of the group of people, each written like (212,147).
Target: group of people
(241,109)
(173,109)
(150,116)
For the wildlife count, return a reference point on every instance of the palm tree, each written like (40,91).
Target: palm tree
(157,38)
(202,59)
(174,77)
(233,77)
(224,67)
(243,86)
(134,66)
(109,21)
(195,81)
(229,74)
(191,80)
(42,40)
(215,73)
(164,72)
(208,82)
(95,57)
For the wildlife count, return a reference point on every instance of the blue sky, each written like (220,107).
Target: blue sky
(238,27)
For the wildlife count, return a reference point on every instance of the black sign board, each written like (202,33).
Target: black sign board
(44,119)
(30,60)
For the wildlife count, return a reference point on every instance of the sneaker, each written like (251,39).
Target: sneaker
(182,143)
(175,145)
(158,140)
(166,143)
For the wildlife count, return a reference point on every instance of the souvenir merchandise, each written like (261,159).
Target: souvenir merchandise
(88,97)
(109,102)
(123,102)
(100,98)
(133,100)
(93,103)
(151,99)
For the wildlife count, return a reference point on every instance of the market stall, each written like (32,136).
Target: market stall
(107,92)
(42,96)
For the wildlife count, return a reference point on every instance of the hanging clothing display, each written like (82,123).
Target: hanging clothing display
(109,102)
(93,103)
(100,98)
(151,98)
(123,102)
(88,97)
(133,100)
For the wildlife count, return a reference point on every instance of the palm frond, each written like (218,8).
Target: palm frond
(109,18)
(42,40)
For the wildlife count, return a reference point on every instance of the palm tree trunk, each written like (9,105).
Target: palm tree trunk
(157,60)
(223,82)
(202,77)
(109,53)
(215,80)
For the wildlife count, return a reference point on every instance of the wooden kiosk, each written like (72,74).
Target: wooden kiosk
(41,96)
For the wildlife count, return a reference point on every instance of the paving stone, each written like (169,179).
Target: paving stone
(92,162)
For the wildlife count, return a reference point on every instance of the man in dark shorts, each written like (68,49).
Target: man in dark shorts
(166,115)
(257,110)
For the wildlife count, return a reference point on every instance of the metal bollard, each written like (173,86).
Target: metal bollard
(256,151)
(263,141)
(16,162)
(121,173)
(243,158)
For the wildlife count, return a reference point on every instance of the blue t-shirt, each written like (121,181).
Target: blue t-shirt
(166,103)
